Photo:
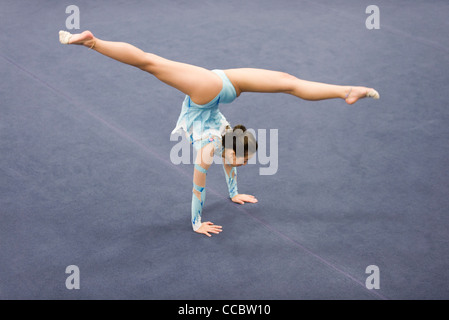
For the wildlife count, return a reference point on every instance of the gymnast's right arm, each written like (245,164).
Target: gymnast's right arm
(198,199)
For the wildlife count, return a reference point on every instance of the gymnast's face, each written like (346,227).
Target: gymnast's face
(234,161)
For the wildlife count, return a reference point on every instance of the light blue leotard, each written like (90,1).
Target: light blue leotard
(205,124)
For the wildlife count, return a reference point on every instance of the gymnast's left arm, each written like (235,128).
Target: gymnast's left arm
(231,180)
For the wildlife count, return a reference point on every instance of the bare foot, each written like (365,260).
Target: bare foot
(356,93)
(85,38)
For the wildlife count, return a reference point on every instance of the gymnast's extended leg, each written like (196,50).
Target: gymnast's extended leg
(260,80)
(200,84)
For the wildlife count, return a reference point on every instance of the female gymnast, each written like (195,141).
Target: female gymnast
(200,118)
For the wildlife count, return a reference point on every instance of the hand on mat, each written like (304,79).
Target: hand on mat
(207,227)
(242,198)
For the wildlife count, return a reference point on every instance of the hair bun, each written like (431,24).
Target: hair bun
(240,127)
(239,139)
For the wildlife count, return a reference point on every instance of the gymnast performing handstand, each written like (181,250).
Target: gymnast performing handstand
(200,118)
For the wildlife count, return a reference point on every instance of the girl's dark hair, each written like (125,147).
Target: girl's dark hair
(240,140)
